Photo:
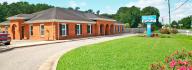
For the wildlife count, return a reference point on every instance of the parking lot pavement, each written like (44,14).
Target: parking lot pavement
(31,58)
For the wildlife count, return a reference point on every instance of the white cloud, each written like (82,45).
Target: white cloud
(184,11)
(74,4)
(9,1)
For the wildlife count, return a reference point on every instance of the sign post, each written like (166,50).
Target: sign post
(149,20)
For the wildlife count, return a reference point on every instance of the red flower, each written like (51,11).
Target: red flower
(182,68)
(172,64)
(185,62)
(180,62)
(190,68)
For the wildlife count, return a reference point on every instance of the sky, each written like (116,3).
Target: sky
(111,6)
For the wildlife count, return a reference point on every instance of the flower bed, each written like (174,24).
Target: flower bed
(179,60)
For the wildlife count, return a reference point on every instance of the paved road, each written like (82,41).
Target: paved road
(185,32)
(31,58)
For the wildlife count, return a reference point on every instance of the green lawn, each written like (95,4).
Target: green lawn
(131,53)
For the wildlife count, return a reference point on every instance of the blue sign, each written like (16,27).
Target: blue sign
(149,20)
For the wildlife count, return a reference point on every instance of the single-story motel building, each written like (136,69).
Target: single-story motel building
(59,24)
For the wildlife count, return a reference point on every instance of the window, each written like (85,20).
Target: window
(42,29)
(118,28)
(31,30)
(78,29)
(6,29)
(63,29)
(89,29)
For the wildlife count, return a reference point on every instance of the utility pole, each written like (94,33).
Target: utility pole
(169,11)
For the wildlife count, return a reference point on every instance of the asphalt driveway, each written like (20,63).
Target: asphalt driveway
(31,58)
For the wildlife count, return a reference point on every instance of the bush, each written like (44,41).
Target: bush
(165,31)
(174,31)
(179,60)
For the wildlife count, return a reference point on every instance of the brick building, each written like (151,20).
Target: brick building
(59,24)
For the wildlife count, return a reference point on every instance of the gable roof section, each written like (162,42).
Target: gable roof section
(60,15)
(5,23)
(21,16)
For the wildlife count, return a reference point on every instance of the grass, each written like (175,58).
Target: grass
(131,53)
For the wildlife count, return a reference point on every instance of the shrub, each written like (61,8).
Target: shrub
(179,60)
(165,31)
(174,31)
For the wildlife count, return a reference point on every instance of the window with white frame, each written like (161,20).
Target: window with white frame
(6,29)
(31,30)
(89,28)
(63,29)
(78,29)
(42,29)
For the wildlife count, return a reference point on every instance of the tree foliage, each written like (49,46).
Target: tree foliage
(152,11)
(131,15)
(186,22)
(174,24)
(89,11)
(7,10)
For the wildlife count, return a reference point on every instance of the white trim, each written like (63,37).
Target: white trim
(79,30)
(43,31)
(90,28)
(30,29)
(14,18)
(64,29)
(58,20)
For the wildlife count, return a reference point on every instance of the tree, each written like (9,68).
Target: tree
(77,8)
(107,15)
(152,11)
(186,22)
(70,8)
(129,15)
(7,10)
(98,12)
(89,11)
(174,24)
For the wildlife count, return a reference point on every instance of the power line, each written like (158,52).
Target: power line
(180,6)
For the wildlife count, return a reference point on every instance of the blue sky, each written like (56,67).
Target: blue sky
(111,6)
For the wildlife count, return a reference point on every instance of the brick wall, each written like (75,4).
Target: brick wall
(52,31)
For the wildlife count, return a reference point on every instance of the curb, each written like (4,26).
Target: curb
(51,62)
(26,46)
